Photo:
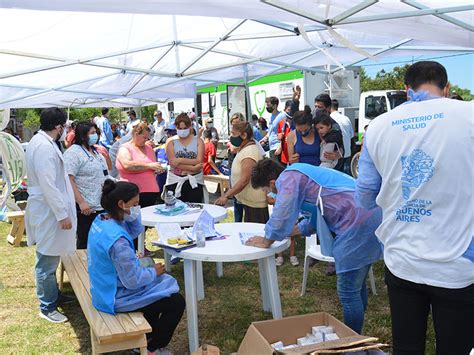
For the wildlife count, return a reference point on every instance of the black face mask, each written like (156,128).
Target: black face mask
(269,109)
(236,141)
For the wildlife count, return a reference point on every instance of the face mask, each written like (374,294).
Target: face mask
(62,136)
(183,133)
(270,109)
(93,139)
(210,125)
(306,133)
(272,195)
(134,214)
(236,141)
(420,95)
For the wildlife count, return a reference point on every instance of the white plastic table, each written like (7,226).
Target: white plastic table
(150,219)
(231,250)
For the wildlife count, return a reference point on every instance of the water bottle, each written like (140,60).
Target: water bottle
(170,200)
(200,238)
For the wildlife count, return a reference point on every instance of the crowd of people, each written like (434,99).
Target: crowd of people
(90,195)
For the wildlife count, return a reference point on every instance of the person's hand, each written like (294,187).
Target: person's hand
(157,167)
(332,155)
(295,158)
(160,269)
(280,136)
(259,242)
(150,143)
(65,223)
(85,209)
(221,201)
(278,150)
(262,141)
(199,167)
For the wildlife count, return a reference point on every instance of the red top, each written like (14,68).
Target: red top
(210,151)
(145,179)
(70,136)
(284,127)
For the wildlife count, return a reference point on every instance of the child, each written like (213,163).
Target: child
(331,141)
(209,166)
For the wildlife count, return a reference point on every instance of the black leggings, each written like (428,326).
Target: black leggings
(164,316)
(84,224)
(188,194)
(452,310)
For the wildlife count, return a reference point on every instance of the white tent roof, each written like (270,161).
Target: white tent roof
(118,53)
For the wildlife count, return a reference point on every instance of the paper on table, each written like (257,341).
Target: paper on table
(168,230)
(244,236)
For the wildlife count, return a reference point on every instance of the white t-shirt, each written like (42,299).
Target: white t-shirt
(346,129)
(423,152)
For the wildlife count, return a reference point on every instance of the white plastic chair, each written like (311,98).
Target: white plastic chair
(313,250)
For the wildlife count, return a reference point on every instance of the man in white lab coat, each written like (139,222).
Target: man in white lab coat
(50,216)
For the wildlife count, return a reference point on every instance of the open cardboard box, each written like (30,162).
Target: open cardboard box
(260,335)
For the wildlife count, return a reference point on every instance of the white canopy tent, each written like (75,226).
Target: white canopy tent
(136,53)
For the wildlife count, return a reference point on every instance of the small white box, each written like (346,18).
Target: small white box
(327,330)
(318,329)
(331,336)
(278,345)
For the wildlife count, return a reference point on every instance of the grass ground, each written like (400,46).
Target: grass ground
(231,304)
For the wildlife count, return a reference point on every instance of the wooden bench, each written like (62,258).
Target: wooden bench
(222,180)
(18,227)
(108,332)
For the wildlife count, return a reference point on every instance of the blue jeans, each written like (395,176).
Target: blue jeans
(46,284)
(352,291)
(238,211)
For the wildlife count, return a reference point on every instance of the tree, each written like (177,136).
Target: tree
(393,80)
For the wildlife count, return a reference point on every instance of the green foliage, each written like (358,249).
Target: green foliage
(148,112)
(464,93)
(392,80)
(30,117)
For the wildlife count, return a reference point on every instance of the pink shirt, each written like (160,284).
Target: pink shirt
(145,179)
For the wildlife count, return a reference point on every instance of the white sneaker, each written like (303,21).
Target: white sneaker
(54,317)
(279,261)
(294,261)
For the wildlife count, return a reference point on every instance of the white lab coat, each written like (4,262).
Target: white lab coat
(51,198)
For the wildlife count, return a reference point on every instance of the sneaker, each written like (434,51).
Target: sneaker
(279,261)
(331,269)
(65,299)
(53,316)
(294,261)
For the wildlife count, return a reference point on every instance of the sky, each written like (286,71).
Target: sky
(460,68)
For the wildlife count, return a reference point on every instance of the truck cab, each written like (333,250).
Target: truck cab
(375,103)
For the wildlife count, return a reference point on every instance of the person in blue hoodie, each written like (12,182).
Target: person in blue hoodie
(118,282)
(345,230)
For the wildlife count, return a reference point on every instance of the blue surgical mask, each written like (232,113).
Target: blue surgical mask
(272,195)
(420,95)
(93,138)
(134,214)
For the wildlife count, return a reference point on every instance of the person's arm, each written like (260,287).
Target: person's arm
(83,205)
(247,165)
(291,141)
(126,264)
(291,194)
(108,133)
(210,160)
(368,181)
(125,159)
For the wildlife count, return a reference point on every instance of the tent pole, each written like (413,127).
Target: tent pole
(248,105)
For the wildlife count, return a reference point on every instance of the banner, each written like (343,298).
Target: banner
(4,118)
(13,164)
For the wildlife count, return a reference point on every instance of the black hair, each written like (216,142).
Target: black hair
(288,103)
(263,123)
(323,118)
(426,72)
(254,117)
(52,117)
(207,134)
(81,134)
(264,171)
(325,99)
(273,100)
(303,117)
(105,111)
(113,192)
(334,104)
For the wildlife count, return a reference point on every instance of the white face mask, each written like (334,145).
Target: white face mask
(183,133)
(62,137)
(135,212)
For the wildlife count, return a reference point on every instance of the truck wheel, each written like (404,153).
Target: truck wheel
(355,165)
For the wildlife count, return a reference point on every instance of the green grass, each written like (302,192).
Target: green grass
(231,304)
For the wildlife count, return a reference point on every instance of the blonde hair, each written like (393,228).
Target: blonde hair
(140,128)
(237,116)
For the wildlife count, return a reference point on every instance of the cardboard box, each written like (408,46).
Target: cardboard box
(260,335)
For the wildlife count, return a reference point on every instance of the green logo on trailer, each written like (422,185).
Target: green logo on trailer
(259,100)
